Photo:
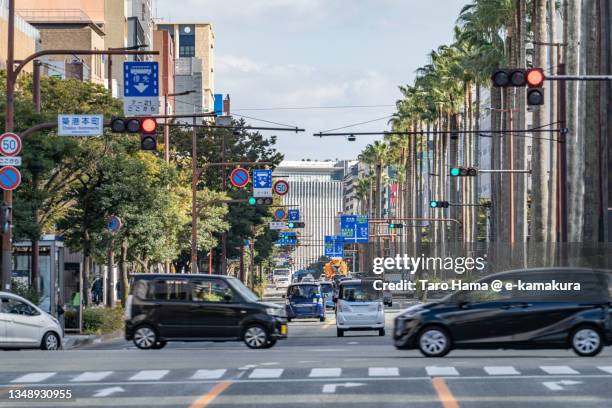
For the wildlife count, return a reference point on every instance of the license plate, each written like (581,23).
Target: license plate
(283,329)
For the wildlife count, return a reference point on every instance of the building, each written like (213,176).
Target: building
(27,38)
(316,188)
(72,25)
(116,29)
(163,43)
(351,203)
(194,68)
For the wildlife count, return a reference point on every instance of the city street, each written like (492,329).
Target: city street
(314,367)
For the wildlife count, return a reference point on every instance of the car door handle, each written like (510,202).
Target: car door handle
(524,305)
(243,311)
(506,307)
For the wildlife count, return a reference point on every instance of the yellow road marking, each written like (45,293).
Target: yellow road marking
(444,393)
(207,398)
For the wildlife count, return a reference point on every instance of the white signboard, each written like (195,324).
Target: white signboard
(278,225)
(10,161)
(140,106)
(80,125)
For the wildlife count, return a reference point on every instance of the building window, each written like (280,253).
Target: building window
(186,41)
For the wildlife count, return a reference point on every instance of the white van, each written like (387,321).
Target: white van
(23,325)
(359,307)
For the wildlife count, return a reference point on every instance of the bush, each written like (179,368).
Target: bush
(25,291)
(102,320)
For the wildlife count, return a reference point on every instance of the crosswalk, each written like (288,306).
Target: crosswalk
(253,372)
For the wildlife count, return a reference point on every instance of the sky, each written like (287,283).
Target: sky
(272,54)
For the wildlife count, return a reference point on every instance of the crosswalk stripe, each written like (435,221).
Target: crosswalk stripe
(501,370)
(208,374)
(558,370)
(433,371)
(88,376)
(147,375)
(383,371)
(606,369)
(33,377)
(266,373)
(325,372)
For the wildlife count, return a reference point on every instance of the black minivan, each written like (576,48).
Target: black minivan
(533,309)
(176,307)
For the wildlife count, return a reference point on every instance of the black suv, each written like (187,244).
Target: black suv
(177,307)
(523,314)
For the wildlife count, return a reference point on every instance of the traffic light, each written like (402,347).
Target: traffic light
(513,77)
(396,226)
(439,204)
(535,93)
(296,224)
(463,171)
(148,134)
(147,127)
(5,218)
(533,78)
(260,200)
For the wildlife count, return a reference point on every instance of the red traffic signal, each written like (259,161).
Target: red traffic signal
(535,77)
(148,125)
(133,125)
(148,136)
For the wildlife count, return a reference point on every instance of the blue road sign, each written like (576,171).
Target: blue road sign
(354,228)
(294,215)
(114,223)
(280,214)
(262,183)
(218,104)
(287,238)
(334,246)
(140,78)
(239,177)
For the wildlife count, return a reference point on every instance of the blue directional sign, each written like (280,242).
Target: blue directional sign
(262,183)
(334,246)
(294,215)
(140,78)
(354,228)
(218,104)
(287,238)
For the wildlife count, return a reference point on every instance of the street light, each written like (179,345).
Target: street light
(166,128)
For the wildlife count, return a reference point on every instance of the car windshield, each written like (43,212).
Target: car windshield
(304,291)
(245,292)
(327,288)
(359,292)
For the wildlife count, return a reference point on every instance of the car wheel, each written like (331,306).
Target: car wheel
(145,337)
(381,332)
(50,342)
(586,341)
(271,343)
(434,342)
(321,318)
(159,345)
(289,319)
(339,332)
(255,337)
(390,304)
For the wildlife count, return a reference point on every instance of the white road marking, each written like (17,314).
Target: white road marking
(307,361)
(501,370)
(208,374)
(33,377)
(558,385)
(325,372)
(606,369)
(89,376)
(434,371)
(331,388)
(266,373)
(383,371)
(353,342)
(558,370)
(270,363)
(148,375)
(247,367)
(105,392)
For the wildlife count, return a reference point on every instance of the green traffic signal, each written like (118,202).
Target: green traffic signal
(433,204)
(252,201)
(290,225)
(455,171)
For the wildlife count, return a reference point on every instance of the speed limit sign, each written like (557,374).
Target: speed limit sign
(10,144)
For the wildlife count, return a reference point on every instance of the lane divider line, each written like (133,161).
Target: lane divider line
(209,397)
(445,395)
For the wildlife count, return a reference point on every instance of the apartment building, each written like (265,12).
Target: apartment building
(27,37)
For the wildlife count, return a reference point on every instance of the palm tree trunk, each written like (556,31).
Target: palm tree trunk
(552,103)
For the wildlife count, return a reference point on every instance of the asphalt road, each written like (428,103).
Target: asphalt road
(313,368)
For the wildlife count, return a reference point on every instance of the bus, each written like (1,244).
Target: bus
(280,272)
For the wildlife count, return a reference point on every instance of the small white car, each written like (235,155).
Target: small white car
(282,282)
(359,307)
(24,325)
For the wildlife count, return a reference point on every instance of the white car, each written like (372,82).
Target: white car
(282,282)
(24,325)
(359,307)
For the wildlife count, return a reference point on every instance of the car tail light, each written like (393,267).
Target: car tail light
(128,307)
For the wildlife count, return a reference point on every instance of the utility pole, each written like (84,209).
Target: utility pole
(194,209)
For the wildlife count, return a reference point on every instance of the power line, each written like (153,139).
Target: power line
(313,107)
(357,124)
(265,121)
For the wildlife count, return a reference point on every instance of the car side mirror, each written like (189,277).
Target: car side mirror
(227,298)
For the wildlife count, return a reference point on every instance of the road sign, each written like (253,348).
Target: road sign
(141,88)
(114,224)
(240,177)
(334,246)
(294,215)
(354,228)
(10,178)
(281,187)
(287,238)
(10,161)
(262,183)
(10,144)
(280,214)
(80,125)
(278,225)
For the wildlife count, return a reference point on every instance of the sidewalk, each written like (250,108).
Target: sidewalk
(75,341)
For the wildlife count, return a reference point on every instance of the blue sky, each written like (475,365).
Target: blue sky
(304,53)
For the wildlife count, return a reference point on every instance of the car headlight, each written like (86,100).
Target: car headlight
(273,311)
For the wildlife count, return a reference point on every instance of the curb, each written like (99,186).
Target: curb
(74,342)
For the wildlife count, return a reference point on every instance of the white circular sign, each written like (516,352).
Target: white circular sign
(10,144)
(281,187)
